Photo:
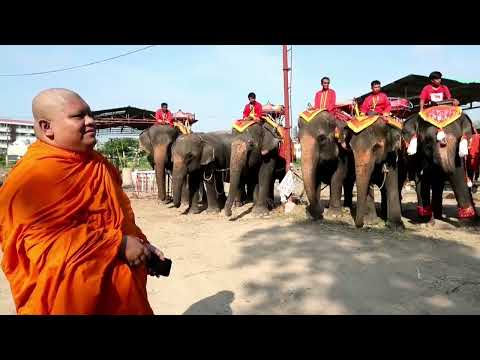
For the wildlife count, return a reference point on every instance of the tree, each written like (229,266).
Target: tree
(125,153)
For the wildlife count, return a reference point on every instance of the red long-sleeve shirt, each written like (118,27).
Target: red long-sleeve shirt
(378,103)
(257,107)
(164,117)
(429,93)
(325,99)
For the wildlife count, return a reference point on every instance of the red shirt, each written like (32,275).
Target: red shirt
(429,93)
(257,107)
(325,99)
(378,103)
(164,117)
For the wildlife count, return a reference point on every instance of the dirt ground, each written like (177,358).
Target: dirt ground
(287,264)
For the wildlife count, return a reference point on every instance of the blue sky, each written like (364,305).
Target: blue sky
(213,81)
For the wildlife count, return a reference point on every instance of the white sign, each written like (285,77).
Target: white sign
(436,97)
(288,184)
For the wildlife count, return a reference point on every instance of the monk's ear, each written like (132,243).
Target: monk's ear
(45,127)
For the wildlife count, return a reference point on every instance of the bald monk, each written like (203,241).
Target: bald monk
(67,231)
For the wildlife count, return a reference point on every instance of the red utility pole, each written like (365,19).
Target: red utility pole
(286,96)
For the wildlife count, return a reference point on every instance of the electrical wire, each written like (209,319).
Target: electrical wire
(78,66)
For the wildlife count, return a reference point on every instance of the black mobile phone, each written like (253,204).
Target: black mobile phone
(158,266)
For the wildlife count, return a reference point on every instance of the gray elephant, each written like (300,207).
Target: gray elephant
(157,141)
(325,159)
(205,159)
(254,155)
(438,155)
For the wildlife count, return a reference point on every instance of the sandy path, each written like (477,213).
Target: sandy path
(289,265)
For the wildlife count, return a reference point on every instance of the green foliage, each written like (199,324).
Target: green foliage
(125,153)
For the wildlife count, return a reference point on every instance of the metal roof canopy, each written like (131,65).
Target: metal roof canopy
(411,86)
(133,117)
(130,116)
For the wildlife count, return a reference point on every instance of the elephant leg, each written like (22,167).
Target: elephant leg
(394,212)
(213,205)
(309,171)
(194,183)
(424,208)
(336,182)
(383,204)
(185,194)
(437,197)
(251,185)
(371,216)
(264,180)
(462,194)
(220,190)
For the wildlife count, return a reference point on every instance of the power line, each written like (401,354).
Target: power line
(79,66)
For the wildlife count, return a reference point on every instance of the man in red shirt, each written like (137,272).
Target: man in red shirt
(253,109)
(377,102)
(435,91)
(325,98)
(163,116)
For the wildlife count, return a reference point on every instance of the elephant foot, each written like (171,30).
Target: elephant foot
(260,211)
(372,220)
(315,212)
(334,212)
(212,211)
(195,210)
(396,225)
(165,201)
(270,204)
(238,203)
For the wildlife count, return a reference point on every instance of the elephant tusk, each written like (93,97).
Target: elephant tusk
(412,147)
(463,148)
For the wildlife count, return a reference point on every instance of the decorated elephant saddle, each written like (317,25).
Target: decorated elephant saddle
(361,122)
(182,128)
(441,115)
(308,115)
(243,124)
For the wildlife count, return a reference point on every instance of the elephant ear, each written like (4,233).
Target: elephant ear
(208,154)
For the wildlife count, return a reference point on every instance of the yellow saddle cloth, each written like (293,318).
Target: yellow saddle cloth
(441,115)
(243,124)
(360,123)
(183,129)
(308,115)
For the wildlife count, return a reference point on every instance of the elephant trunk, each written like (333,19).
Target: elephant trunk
(179,176)
(364,164)
(445,153)
(309,166)
(160,159)
(238,160)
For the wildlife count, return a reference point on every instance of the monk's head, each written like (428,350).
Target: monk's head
(63,119)
(376,86)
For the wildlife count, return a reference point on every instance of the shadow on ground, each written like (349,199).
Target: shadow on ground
(218,304)
(330,268)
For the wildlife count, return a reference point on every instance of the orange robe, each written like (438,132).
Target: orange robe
(62,218)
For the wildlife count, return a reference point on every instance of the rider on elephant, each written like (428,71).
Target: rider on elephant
(377,102)
(163,116)
(435,91)
(325,98)
(253,110)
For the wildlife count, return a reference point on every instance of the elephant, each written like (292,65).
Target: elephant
(205,158)
(254,156)
(376,151)
(325,159)
(157,141)
(435,159)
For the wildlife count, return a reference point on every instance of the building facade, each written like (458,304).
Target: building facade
(15,134)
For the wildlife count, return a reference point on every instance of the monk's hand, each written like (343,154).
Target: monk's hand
(134,251)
